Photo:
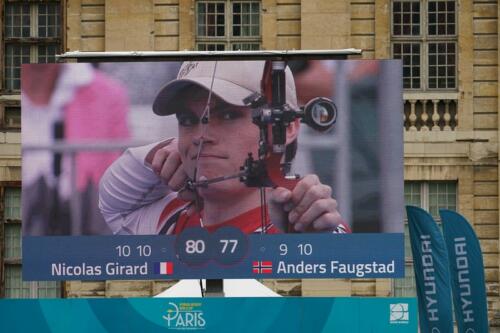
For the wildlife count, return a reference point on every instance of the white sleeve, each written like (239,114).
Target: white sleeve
(131,195)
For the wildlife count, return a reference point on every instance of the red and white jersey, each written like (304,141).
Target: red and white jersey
(175,218)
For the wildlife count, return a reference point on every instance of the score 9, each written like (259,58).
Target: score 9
(283,249)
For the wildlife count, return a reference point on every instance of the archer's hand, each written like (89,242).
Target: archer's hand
(165,161)
(309,206)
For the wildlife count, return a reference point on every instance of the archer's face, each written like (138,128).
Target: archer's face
(225,140)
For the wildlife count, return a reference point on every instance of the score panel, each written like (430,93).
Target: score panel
(225,254)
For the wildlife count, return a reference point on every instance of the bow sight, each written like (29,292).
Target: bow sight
(272,114)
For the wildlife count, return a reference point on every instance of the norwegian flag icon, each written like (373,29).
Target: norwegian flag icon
(262,267)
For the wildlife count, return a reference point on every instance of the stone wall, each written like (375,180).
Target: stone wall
(485,80)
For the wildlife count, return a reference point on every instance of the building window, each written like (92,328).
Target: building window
(12,203)
(430,196)
(424,37)
(12,240)
(227,25)
(32,34)
(406,287)
(11,117)
(14,286)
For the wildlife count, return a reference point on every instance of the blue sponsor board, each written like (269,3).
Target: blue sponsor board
(227,254)
(356,315)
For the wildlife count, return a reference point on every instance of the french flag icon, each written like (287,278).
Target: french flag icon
(164,268)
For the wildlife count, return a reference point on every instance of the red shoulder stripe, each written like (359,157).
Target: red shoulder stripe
(171,208)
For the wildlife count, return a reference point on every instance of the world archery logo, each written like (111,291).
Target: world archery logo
(399,313)
(185,316)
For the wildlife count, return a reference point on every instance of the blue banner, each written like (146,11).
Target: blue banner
(277,314)
(467,273)
(432,275)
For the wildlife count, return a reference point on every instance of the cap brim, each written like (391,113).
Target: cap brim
(227,91)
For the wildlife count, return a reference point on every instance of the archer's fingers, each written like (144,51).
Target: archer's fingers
(317,209)
(327,222)
(280,195)
(302,186)
(170,166)
(159,159)
(172,142)
(313,194)
(178,179)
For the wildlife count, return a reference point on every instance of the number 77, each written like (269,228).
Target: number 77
(226,242)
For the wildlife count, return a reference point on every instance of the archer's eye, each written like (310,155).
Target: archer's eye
(187,119)
(231,114)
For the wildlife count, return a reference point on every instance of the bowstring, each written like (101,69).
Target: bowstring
(263,210)
(205,118)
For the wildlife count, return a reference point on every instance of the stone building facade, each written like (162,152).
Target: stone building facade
(450,54)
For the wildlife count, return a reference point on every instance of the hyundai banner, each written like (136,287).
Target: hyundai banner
(467,273)
(432,276)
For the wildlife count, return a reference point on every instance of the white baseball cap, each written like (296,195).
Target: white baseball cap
(233,81)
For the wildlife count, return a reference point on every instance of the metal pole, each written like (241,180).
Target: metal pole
(390,127)
(75,201)
(214,288)
(342,163)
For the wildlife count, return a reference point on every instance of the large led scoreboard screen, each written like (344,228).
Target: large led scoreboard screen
(212,169)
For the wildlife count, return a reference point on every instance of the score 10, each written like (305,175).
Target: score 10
(127,250)
(304,249)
